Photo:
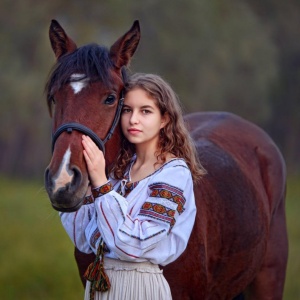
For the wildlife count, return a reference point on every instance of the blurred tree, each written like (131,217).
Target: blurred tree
(239,56)
(215,54)
(283,20)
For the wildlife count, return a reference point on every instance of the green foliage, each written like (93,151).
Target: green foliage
(216,54)
(36,254)
(237,56)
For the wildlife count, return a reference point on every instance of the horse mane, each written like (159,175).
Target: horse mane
(91,60)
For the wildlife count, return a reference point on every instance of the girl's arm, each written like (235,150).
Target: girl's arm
(75,224)
(160,231)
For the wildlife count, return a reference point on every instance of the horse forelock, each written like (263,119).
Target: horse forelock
(91,60)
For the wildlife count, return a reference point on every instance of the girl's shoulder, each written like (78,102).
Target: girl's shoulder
(175,162)
(173,174)
(173,168)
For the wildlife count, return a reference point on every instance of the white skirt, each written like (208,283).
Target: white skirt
(132,281)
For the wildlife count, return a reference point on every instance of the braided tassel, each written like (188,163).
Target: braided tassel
(95,273)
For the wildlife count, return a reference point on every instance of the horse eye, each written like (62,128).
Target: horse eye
(110,99)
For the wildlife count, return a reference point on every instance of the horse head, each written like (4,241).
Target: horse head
(84,95)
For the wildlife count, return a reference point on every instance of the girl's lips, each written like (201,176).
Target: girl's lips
(133,130)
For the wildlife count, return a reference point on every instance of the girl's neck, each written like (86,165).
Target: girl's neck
(144,164)
(145,154)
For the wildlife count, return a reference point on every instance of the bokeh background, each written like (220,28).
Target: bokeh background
(241,56)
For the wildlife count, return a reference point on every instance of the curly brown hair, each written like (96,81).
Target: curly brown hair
(174,137)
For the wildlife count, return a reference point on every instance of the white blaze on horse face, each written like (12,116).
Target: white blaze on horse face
(64,175)
(78,82)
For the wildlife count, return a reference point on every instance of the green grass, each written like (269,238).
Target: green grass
(36,255)
(292,287)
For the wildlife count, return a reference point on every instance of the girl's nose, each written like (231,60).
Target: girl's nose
(134,118)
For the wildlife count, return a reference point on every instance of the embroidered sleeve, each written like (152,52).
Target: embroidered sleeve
(75,223)
(88,200)
(164,201)
(160,228)
(102,190)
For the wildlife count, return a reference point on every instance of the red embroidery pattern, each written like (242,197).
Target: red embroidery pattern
(159,212)
(102,190)
(88,200)
(129,186)
(163,190)
(94,238)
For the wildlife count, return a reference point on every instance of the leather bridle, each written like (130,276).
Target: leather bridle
(69,127)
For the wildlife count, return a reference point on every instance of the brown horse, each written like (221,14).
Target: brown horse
(239,242)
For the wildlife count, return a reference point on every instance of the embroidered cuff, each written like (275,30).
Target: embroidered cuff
(88,200)
(102,190)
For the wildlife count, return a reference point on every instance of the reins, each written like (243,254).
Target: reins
(69,127)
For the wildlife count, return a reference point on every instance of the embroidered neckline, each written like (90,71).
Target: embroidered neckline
(128,186)
(135,183)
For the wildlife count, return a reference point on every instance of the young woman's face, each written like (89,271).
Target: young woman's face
(141,119)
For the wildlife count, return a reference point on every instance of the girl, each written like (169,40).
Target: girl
(143,214)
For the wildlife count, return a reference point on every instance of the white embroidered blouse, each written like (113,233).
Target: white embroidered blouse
(149,220)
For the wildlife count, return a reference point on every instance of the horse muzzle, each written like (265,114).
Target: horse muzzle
(66,193)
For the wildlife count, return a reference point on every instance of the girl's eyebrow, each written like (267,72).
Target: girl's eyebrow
(142,107)
(147,106)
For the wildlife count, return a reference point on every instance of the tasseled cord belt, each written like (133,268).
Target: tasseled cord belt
(95,273)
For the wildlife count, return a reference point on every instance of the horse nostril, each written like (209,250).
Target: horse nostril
(77,178)
(48,180)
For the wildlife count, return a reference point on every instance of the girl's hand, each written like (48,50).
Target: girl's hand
(95,162)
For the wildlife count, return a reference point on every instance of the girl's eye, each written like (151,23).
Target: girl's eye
(146,111)
(125,110)
(110,100)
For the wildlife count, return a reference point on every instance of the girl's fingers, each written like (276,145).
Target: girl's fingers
(86,156)
(95,161)
(91,144)
(90,147)
(87,142)
(91,150)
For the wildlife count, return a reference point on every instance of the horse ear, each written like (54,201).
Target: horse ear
(123,49)
(60,42)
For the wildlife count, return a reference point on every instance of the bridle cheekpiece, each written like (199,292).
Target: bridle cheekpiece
(69,127)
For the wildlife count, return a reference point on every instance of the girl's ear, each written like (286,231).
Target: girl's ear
(165,120)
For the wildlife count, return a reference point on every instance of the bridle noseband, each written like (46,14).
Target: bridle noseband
(69,127)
